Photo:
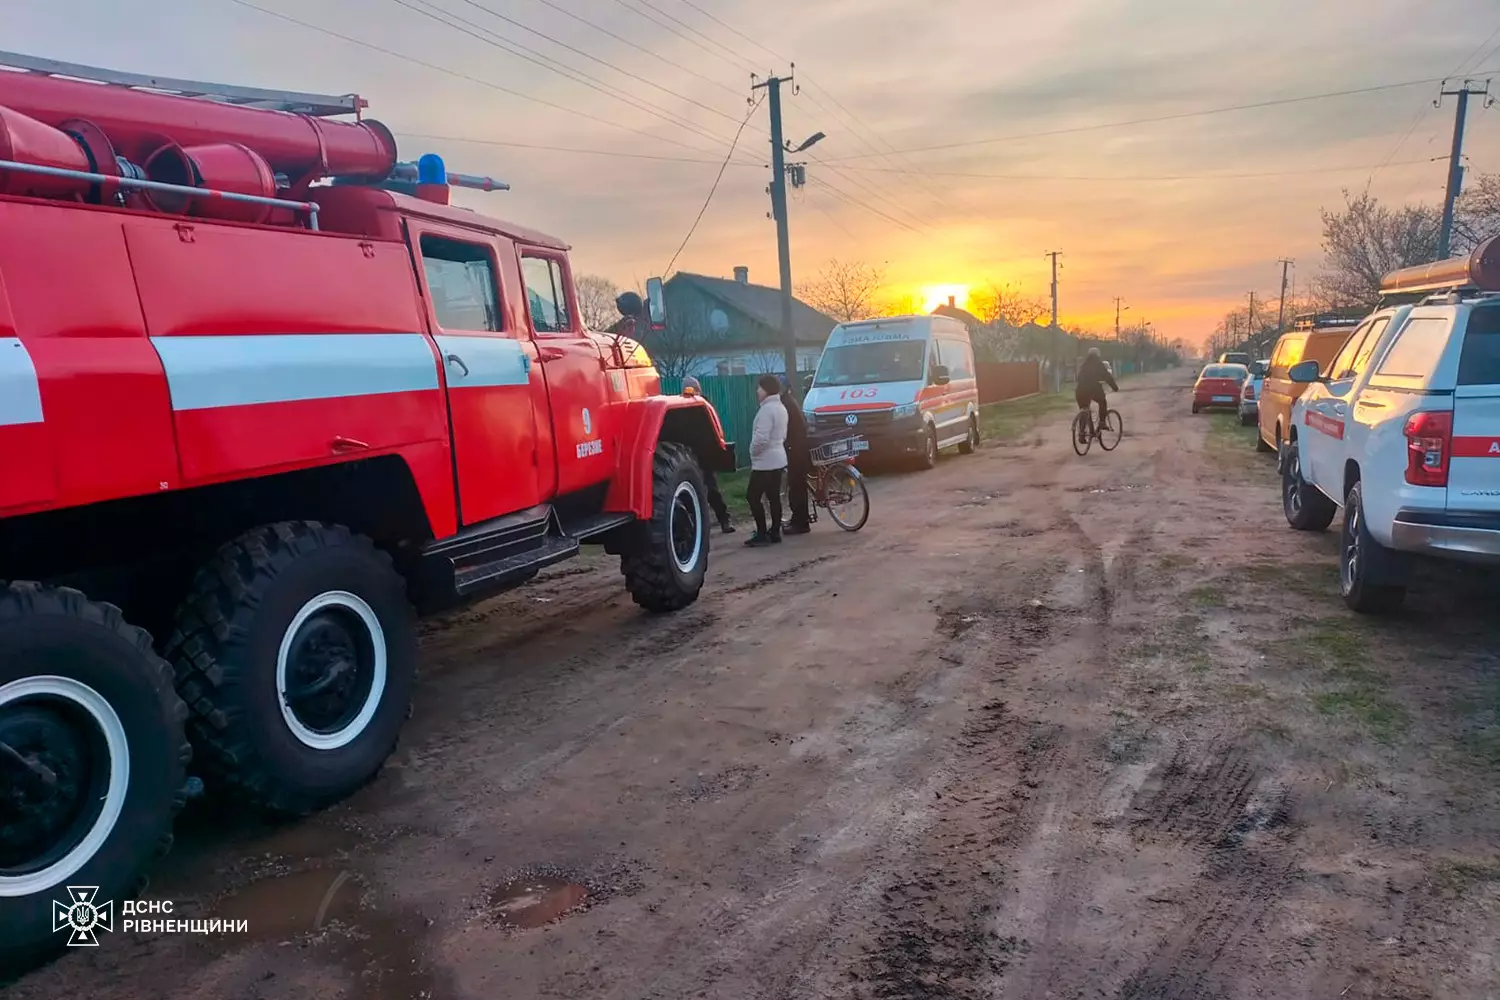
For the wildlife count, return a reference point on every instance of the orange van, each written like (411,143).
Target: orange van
(1313,337)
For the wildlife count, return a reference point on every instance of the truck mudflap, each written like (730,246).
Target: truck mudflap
(644,422)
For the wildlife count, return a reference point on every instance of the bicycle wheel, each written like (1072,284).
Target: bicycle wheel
(848,500)
(1081,438)
(1112,431)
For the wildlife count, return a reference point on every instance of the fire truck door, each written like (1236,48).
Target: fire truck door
(578,387)
(488,370)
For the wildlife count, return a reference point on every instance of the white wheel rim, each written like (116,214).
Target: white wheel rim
(103,714)
(350,731)
(686,565)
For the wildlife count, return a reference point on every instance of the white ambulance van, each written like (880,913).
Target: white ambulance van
(905,383)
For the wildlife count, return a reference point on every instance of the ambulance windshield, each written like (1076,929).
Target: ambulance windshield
(859,364)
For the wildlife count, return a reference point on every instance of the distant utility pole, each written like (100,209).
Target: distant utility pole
(1118,300)
(779,169)
(1056,358)
(1455,158)
(1285,263)
(1250,321)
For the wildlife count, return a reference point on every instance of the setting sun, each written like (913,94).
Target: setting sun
(938,295)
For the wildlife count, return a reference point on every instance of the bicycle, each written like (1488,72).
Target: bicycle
(1108,433)
(836,485)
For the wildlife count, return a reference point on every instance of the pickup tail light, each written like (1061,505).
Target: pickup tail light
(1429,446)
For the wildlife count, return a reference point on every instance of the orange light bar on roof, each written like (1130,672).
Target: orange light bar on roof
(1479,270)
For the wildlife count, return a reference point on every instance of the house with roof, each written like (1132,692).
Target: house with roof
(727,326)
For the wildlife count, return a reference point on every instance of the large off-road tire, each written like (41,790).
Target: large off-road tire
(93,763)
(295,653)
(1306,508)
(1372,578)
(666,558)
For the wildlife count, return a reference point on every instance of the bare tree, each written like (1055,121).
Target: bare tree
(845,290)
(1367,240)
(899,304)
(1005,302)
(1476,217)
(596,301)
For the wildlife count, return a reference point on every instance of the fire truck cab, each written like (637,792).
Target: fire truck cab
(265,396)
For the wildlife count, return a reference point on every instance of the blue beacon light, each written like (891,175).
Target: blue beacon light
(431,170)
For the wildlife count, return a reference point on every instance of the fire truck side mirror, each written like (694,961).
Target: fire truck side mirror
(656,303)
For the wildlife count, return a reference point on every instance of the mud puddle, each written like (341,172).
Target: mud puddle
(533,901)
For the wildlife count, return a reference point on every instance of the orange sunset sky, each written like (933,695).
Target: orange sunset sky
(637,102)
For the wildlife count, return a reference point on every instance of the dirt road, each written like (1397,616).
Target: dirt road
(1047,727)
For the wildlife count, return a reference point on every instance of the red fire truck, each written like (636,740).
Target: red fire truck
(265,396)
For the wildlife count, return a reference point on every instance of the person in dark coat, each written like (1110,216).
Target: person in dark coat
(799,464)
(710,478)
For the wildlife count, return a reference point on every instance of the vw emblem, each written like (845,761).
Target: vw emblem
(588,421)
(851,420)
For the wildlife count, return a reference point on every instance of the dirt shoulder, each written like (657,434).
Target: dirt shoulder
(1048,726)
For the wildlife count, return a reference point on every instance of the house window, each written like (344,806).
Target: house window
(718,322)
(461,281)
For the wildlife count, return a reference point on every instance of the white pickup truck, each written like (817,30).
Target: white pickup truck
(1402,431)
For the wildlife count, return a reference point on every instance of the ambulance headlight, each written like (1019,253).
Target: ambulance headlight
(906,410)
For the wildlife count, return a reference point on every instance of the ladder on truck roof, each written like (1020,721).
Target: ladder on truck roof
(316,105)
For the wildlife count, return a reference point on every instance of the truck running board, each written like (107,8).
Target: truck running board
(478,577)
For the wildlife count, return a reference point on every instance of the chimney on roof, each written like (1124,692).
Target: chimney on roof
(742,275)
(952,302)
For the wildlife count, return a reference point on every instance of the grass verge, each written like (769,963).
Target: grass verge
(1008,420)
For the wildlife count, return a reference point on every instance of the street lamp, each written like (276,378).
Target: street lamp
(807,143)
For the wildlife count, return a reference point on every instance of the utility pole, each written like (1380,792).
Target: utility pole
(1250,321)
(1118,300)
(1285,263)
(783,237)
(1455,157)
(1056,360)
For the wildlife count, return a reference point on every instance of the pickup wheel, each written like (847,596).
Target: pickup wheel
(666,559)
(1372,578)
(295,653)
(1305,508)
(92,760)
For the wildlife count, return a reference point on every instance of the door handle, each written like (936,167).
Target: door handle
(551,353)
(454,359)
(1370,403)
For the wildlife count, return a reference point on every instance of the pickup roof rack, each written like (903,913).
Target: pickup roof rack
(315,105)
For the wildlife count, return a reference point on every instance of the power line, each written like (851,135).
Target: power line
(577,51)
(635,45)
(730,54)
(1483,59)
(457,74)
(537,58)
(687,38)
(1150,177)
(1175,116)
(1427,106)
(850,199)
(570,149)
(666,271)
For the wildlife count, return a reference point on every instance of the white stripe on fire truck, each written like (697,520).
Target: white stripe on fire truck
(20,394)
(208,372)
(491,360)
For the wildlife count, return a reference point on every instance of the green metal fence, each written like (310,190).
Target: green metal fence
(733,396)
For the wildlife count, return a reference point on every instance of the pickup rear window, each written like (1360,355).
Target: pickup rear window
(1417,349)
(1479,364)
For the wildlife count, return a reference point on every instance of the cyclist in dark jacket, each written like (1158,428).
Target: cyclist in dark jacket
(1093,374)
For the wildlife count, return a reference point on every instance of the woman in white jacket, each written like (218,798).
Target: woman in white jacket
(767,461)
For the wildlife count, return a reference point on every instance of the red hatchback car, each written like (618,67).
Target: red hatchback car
(1219,386)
